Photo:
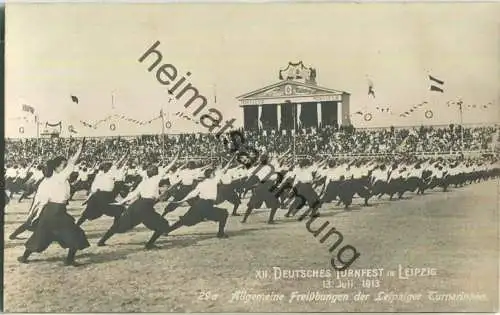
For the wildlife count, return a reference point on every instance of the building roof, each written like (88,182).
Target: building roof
(289,88)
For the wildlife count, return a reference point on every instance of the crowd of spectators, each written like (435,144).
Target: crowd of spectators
(306,142)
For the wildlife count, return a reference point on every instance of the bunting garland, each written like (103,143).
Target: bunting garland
(414,108)
(366,116)
(384,110)
(122,117)
(86,124)
(59,124)
(468,106)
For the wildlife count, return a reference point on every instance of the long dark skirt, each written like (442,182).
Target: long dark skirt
(203,210)
(263,194)
(141,211)
(227,192)
(249,184)
(120,189)
(56,225)
(304,194)
(180,193)
(331,191)
(99,205)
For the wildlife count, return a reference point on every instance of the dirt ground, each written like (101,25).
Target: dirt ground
(455,232)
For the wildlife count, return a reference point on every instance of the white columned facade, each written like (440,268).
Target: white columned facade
(318,110)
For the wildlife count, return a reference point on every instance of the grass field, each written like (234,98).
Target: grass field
(455,232)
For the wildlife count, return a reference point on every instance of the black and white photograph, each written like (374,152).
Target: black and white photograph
(251,157)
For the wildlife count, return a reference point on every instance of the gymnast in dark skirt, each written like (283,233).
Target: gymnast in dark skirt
(53,223)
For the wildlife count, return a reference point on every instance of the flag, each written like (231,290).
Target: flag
(28,108)
(371,91)
(74,99)
(436,89)
(436,84)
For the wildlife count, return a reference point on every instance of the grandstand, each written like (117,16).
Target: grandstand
(343,142)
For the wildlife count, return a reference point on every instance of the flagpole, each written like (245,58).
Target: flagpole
(294,132)
(162,133)
(215,102)
(37,134)
(460,103)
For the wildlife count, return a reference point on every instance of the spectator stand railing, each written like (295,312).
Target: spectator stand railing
(391,154)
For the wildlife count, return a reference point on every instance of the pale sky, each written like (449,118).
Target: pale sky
(92,50)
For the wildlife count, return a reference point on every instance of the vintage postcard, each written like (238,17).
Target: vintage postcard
(244,157)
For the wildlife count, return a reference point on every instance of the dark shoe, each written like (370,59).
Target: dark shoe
(234,214)
(12,237)
(22,259)
(151,247)
(271,222)
(101,244)
(222,235)
(71,263)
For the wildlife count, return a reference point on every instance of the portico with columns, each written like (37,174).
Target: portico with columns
(296,98)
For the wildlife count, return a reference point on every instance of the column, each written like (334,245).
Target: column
(278,115)
(259,115)
(318,110)
(297,118)
(339,114)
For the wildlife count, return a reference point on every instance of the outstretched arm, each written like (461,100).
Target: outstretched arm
(169,166)
(283,155)
(224,170)
(72,161)
(131,196)
(120,162)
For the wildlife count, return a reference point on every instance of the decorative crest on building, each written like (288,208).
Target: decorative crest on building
(298,72)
